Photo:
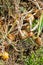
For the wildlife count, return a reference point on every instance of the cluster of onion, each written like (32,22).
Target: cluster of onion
(26,34)
(23,35)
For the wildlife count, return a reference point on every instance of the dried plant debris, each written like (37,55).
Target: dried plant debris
(21,29)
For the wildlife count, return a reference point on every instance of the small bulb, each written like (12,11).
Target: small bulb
(30,34)
(38,41)
(5,56)
(29,16)
(11,37)
(5,43)
(24,34)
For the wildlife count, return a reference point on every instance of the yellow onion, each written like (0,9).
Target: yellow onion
(5,55)
(30,34)
(29,17)
(38,41)
(23,34)
(11,37)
